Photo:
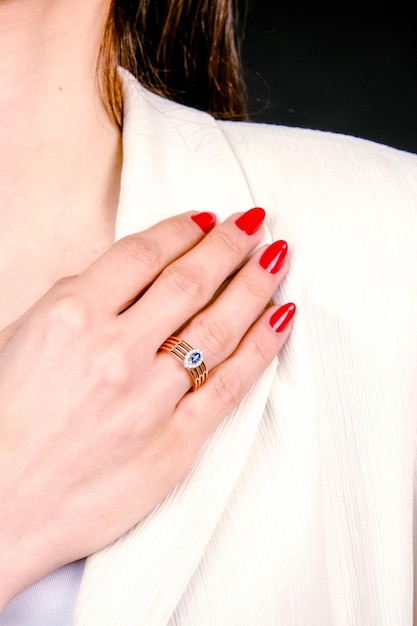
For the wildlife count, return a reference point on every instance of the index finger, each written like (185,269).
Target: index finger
(135,261)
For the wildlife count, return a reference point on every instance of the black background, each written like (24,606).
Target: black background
(346,71)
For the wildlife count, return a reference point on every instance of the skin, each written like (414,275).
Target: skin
(95,424)
(60,156)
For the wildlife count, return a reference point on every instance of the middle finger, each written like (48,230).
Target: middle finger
(188,284)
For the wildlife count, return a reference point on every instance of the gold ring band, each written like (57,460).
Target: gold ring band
(190,358)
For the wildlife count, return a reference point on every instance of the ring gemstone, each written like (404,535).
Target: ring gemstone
(193,358)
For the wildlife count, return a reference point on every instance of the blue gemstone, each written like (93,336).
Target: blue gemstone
(193,358)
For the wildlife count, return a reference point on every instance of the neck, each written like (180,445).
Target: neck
(58,148)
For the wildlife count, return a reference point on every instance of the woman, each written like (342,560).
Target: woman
(298,508)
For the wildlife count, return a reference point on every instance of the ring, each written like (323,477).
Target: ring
(190,358)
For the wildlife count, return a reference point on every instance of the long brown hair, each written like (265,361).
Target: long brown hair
(184,50)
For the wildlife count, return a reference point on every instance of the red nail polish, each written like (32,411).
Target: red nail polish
(205,220)
(282,317)
(251,221)
(273,257)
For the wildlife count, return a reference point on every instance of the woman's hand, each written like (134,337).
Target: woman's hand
(96,425)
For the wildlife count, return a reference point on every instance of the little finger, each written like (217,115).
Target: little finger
(199,413)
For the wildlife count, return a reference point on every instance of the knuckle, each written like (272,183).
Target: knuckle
(259,351)
(255,288)
(181,229)
(142,250)
(214,333)
(225,240)
(67,311)
(229,386)
(188,280)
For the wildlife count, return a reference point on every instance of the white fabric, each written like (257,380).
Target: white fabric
(299,510)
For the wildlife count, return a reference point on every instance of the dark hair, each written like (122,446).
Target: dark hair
(184,50)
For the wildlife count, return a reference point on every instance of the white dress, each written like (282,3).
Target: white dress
(299,510)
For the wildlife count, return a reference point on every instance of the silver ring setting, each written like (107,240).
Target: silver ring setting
(192,359)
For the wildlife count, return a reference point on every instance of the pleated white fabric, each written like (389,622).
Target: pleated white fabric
(299,510)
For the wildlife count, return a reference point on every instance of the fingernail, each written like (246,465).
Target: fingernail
(205,220)
(282,317)
(273,257)
(251,221)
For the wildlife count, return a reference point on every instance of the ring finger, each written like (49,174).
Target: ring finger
(219,329)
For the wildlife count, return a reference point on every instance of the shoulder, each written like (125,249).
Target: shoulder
(316,175)
(297,173)
(321,156)
(346,206)
(266,144)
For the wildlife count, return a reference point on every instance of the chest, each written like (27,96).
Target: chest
(31,262)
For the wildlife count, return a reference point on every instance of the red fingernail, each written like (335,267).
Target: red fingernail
(273,257)
(251,221)
(282,317)
(205,220)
